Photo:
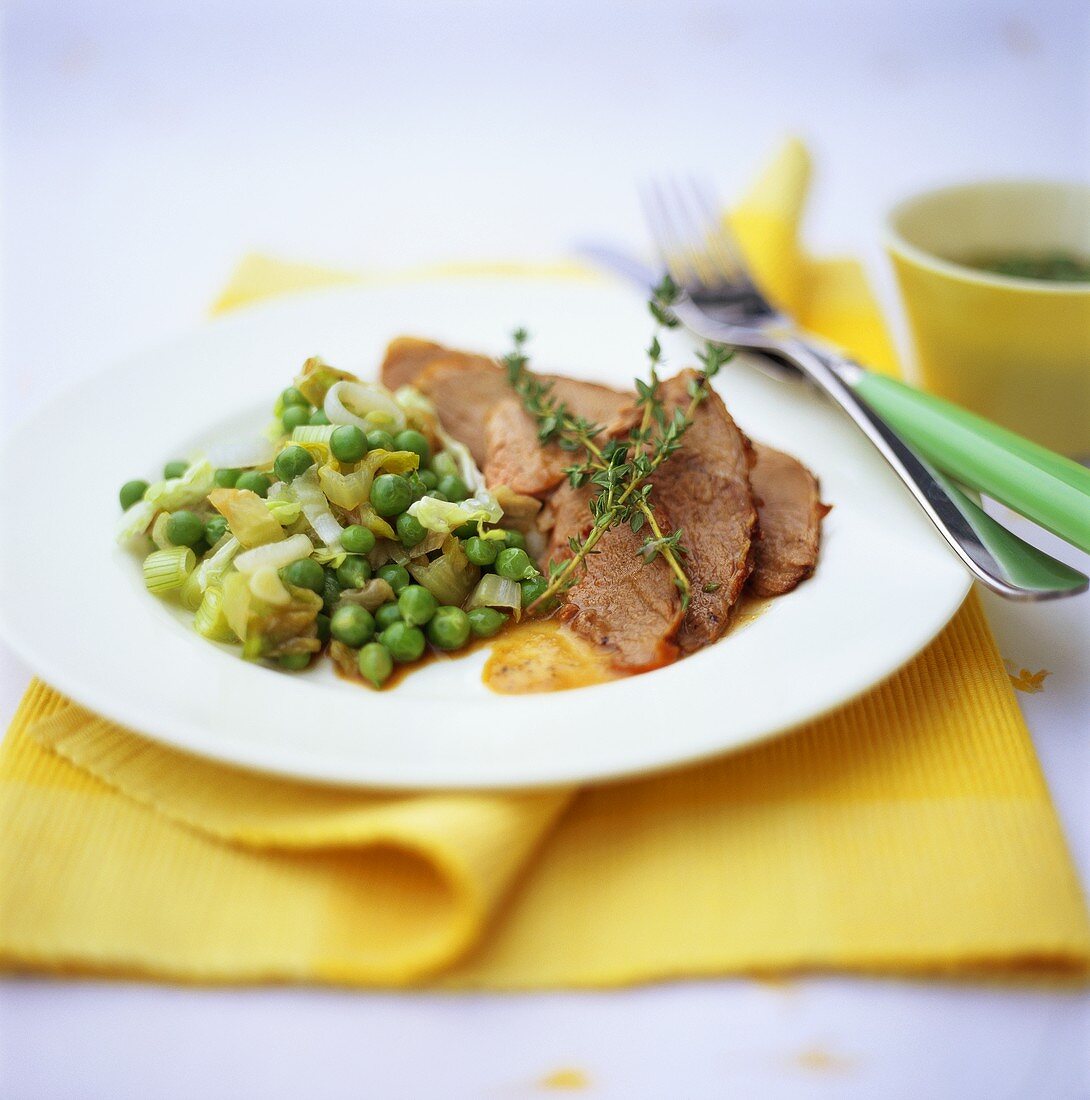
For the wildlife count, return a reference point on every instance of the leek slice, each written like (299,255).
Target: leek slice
(210,621)
(308,493)
(182,492)
(316,378)
(496,591)
(274,555)
(247,515)
(136,521)
(167,570)
(314,433)
(286,512)
(266,585)
(358,402)
(449,578)
(446,515)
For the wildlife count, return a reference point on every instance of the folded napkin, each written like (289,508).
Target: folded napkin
(910,831)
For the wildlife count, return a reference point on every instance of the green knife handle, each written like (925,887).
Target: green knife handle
(1047,488)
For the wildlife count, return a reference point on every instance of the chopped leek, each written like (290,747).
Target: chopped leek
(352,402)
(274,555)
(181,492)
(314,433)
(317,377)
(210,621)
(167,570)
(285,512)
(446,515)
(136,521)
(495,591)
(316,508)
(247,515)
(450,577)
(266,585)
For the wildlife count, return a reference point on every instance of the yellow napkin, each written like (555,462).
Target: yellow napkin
(910,831)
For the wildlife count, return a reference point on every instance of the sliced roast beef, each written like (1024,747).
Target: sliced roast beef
(466,388)
(790,510)
(566,515)
(704,489)
(407,357)
(515,457)
(629,607)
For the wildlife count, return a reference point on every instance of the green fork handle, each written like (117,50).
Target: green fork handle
(1043,486)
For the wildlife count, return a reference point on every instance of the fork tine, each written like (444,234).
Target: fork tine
(696,233)
(722,244)
(657,213)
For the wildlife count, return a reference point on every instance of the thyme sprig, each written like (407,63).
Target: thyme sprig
(620,467)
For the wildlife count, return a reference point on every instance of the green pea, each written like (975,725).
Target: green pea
(378,440)
(331,591)
(449,628)
(410,530)
(322,623)
(387,615)
(255,481)
(305,573)
(391,494)
(486,622)
(226,478)
(482,551)
(215,529)
(416,604)
(131,492)
(294,416)
(429,478)
(357,539)
(515,539)
(533,589)
(292,396)
(375,663)
(175,468)
(410,440)
(292,461)
(453,487)
(436,495)
(465,531)
(354,571)
(396,576)
(405,643)
(514,564)
(348,443)
(444,465)
(353,625)
(185,528)
(318,418)
(294,662)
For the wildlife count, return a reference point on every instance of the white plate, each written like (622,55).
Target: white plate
(74,606)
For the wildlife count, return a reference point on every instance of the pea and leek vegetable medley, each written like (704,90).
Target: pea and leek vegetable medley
(357,526)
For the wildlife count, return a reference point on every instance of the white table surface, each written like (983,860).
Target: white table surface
(148,146)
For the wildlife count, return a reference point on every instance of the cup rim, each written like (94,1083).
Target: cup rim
(897,244)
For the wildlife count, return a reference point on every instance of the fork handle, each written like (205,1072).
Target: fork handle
(1043,486)
(995,556)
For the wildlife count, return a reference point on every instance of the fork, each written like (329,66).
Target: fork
(944,455)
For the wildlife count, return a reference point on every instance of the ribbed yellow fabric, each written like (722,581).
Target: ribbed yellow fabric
(908,832)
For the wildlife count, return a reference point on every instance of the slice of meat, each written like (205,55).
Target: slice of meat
(566,514)
(514,455)
(790,510)
(629,607)
(464,389)
(704,490)
(408,356)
